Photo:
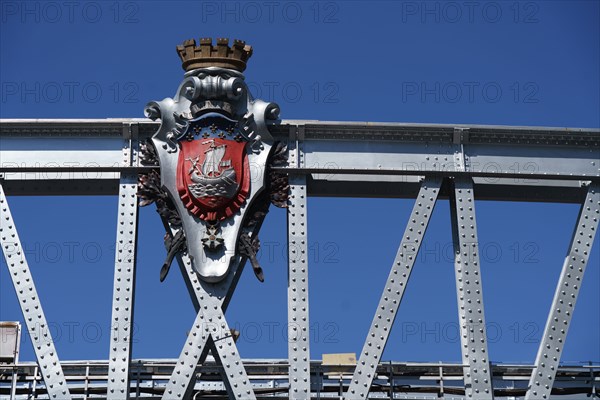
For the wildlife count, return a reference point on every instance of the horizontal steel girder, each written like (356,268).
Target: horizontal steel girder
(86,156)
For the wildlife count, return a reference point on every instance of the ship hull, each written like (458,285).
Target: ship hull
(225,185)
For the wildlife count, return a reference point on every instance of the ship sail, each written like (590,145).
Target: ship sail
(212,162)
(216,177)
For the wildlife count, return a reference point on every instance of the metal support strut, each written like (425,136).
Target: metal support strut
(298,325)
(394,290)
(39,332)
(123,289)
(565,297)
(210,329)
(477,374)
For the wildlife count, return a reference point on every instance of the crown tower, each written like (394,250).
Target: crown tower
(221,55)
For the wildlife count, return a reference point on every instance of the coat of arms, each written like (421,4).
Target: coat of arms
(211,132)
(213,177)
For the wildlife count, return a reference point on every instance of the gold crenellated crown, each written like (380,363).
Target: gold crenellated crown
(221,55)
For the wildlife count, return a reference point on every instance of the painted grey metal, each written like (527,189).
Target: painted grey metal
(123,289)
(225,350)
(210,330)
(565,297)
(338,158)
(196,290)
(393,291)
(356,159)
(22,280)
(331,147)
(183,378)
(411,380)
(477,375)
(524,135)
(298,322)
(66,149)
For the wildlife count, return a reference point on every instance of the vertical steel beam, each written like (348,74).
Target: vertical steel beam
(37,326)
(477,375)
(565,297)
(123,289)
(298,322)
(394,290)
(298,325)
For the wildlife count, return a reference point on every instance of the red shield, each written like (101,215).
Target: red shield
(213,177)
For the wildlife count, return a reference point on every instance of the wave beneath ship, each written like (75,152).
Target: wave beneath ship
(224,185)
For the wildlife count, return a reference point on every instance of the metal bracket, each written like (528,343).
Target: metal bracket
(460,137)
(130,144)
(295,156)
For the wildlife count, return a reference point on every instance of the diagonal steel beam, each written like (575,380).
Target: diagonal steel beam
(565,297)
(477,375)
(39,332)
(182,380)
(210,330)
(192,281)
(197,294)
(225,351)
(394,290)
(123,289)
(298,323)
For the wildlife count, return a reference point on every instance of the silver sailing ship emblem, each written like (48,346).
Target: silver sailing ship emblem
(215,177)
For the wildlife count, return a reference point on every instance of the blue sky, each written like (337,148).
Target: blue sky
(506,63)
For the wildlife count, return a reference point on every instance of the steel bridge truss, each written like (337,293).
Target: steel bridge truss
(421,161)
